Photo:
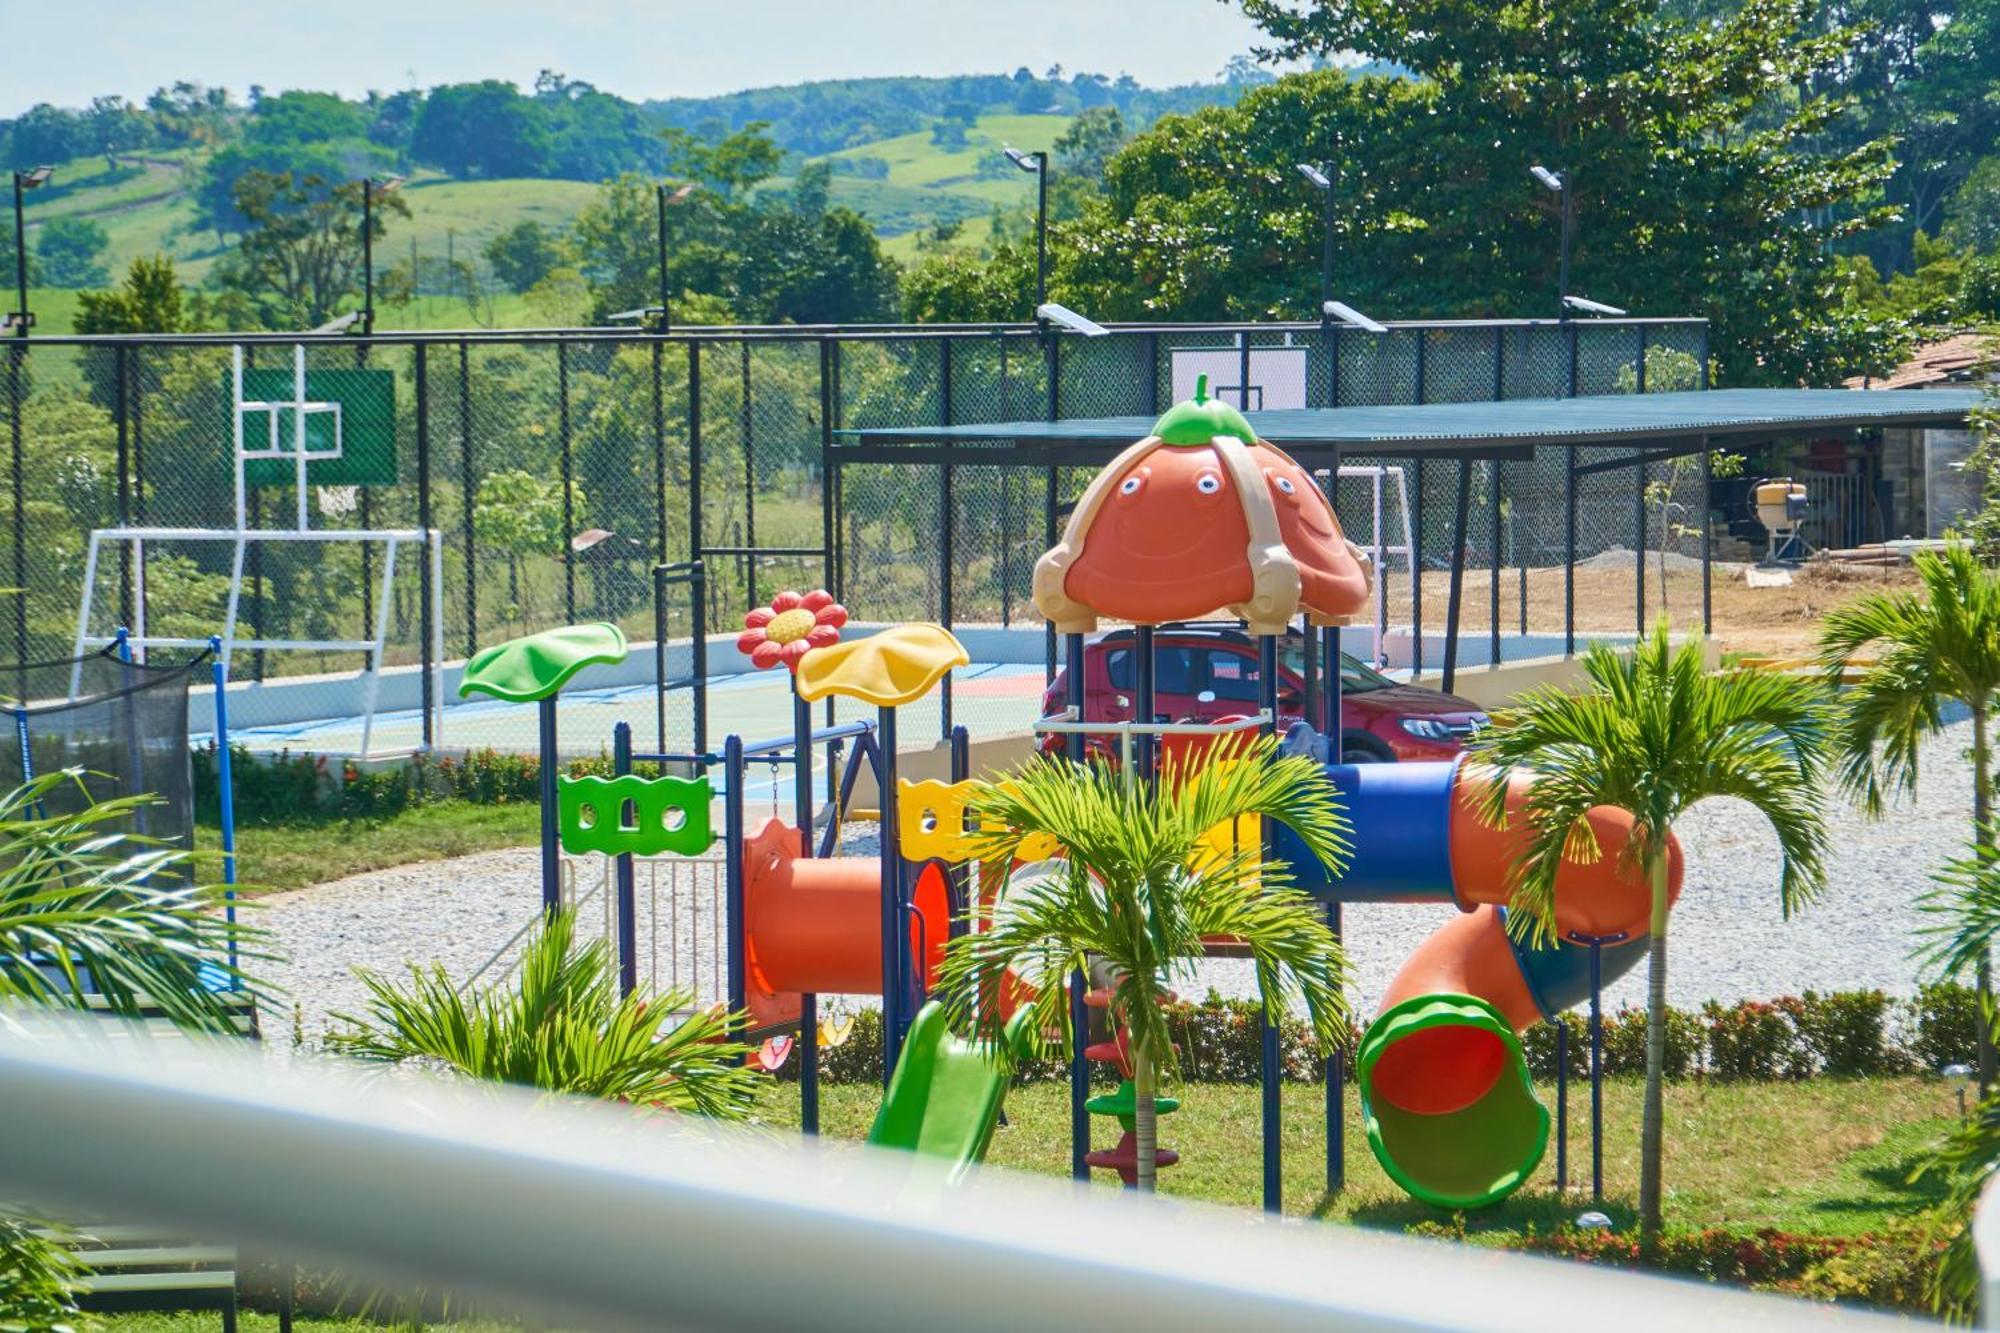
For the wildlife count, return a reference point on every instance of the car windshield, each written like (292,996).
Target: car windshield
(1356,677)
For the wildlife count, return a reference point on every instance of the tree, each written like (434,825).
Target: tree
(519,514)
(72,252)
(1654,733)
(301,259)
(1701,183)
(1972,217)
(563,1028)
(731,165)
(482,129)
(1929,648)
(1139,893)
(522,255)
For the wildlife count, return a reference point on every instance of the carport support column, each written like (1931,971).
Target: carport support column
(545,716)
(1454,594)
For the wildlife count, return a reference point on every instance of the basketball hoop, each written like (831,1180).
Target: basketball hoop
(337,500)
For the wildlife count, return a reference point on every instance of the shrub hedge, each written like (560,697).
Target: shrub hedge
(288,787)
(1849,1034)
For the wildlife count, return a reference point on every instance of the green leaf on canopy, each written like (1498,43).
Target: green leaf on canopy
(1201,418)
(530,669)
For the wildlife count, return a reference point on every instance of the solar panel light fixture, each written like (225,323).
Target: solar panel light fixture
(1547,177)
(1063,316)
(1590,307)
(1315,176)
(386,183)
(340,324)
(1353,318)
(627,316)
(1025,161)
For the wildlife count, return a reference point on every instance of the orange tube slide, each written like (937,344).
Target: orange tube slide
(815,925)
(1449,1067)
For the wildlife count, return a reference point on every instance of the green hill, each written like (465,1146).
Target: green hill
(145,205)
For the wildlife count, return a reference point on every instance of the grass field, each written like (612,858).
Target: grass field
(274,857)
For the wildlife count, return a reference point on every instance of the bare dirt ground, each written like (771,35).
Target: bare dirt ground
(1775,621)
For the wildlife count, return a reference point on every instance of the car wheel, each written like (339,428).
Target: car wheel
(1364,749)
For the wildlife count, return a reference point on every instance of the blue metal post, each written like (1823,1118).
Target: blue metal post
(1079,985)
(802,805)
(1562,1104)
(1336,1061)
(628,895)
(894,930)
(1145,747)
(1272,1067)
(225,795)
(732,871)
(546,747)
(961,882)
(1597,1071)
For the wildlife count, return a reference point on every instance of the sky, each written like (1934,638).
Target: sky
(66,51)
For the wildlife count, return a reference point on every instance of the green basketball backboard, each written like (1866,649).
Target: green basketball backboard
(350,421)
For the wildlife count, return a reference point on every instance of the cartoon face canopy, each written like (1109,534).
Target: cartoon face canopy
(1197,517)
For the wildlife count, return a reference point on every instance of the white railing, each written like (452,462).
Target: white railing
(591,1217)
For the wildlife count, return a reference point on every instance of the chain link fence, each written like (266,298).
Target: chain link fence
(557,470)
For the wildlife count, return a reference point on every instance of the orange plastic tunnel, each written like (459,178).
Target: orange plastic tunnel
(814,925)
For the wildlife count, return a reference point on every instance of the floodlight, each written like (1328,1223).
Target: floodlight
(387,183)
(1353,318)
(627,316)
(1591,307)
(20,320)
(33,177)
(1547,177)
(1069,319)
(1025,161)
(1315,176)
(340,325)
(683,194)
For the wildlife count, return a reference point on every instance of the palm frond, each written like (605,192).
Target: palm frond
(1653,732)
(1146,884)
(86,906)
(561,1028)
(1962,911)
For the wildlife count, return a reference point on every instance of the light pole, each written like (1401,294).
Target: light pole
(370,187)
(23,182)
(1320,180)
(1558,182)
(663,199)
(1038,163)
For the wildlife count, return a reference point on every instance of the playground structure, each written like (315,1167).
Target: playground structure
(341,437)
(1198,517)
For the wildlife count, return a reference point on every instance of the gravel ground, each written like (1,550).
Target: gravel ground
(1729,941)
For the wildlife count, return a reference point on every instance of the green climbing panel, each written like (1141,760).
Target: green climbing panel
(635,816)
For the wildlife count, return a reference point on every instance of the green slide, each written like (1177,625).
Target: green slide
(944,1097)
(1446,1098)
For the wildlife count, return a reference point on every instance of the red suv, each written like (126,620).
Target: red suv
(1201,673)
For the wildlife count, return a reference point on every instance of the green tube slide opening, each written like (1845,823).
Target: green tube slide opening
(1445,1094)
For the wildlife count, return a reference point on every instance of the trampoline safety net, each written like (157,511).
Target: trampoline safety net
(124,724)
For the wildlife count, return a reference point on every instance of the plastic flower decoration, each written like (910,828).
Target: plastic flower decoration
(790,627)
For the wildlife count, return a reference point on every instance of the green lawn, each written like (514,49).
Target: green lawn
(272,857)
(1825,1156)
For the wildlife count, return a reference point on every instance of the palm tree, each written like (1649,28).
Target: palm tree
(89,911)
(1941,645)
(1654,733)
(562,1028)
(1142,891)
